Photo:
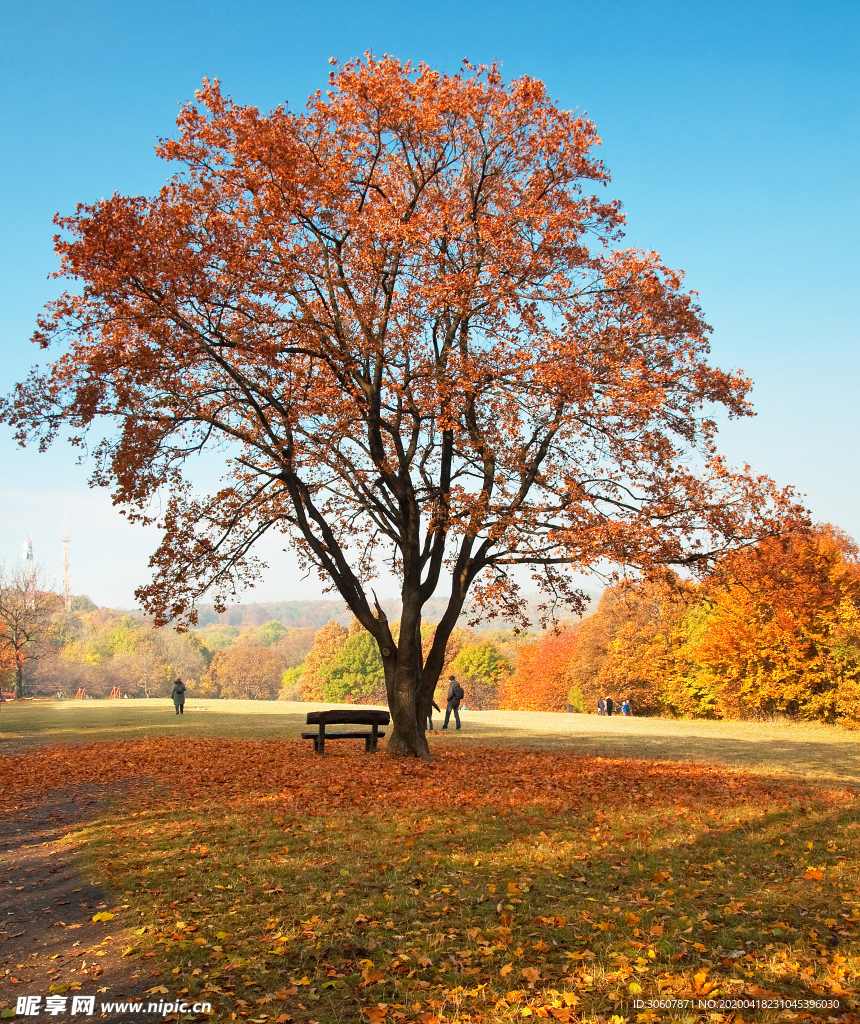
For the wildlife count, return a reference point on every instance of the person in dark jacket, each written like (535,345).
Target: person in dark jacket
(601,705)
(455,695)
(433,705)
(610,705)
(178,696)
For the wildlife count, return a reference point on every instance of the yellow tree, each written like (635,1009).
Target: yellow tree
(625,646)
(328,643)
(485,668)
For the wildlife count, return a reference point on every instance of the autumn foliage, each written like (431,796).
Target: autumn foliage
(496,885)
(403,320)
(539,681)
(781,630)
(773,629)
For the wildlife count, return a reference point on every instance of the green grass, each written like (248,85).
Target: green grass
(810,751)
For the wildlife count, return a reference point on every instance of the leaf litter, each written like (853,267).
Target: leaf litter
(489,885)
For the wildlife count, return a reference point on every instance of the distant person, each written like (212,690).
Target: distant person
(610,705)
(455,695)
(625,707)
(178,696)
(601,705)
(433,705)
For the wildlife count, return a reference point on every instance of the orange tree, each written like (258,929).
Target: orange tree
(625,648)
(401,318)
(540,681)
(782,630)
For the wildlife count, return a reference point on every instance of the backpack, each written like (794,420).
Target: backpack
(458,692)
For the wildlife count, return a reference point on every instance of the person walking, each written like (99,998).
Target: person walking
(610,705)
(178,696)
(625,707)
(601,705)
(455,695)
(433,705)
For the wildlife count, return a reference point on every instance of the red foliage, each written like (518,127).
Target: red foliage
(237,771)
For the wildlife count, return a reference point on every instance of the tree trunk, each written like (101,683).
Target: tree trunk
(403,683)
(19,677)
(408,738)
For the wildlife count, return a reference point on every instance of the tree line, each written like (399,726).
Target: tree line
(774,629)
(46,649)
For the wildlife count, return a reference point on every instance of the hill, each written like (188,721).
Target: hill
(317,613)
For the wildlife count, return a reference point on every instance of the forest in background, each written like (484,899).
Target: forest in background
(773,630)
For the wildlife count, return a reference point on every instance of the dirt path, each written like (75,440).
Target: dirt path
(47,933)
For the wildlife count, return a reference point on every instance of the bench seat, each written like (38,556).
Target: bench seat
(346,717)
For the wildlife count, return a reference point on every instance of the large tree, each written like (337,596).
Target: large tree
(402,320)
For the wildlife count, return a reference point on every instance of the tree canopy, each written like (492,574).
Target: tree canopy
(403,320)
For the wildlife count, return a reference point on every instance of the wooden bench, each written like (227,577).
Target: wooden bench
(323,719)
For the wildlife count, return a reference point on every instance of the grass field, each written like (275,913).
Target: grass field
(809,751)
(541,866)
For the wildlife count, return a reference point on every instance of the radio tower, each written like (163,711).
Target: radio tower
(67,579)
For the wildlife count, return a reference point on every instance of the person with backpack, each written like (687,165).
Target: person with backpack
(455,695)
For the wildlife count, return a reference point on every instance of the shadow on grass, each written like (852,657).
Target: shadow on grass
(807,749)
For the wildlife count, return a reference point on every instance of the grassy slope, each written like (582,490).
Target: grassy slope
(512,878)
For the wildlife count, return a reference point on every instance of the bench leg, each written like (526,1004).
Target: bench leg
(367,745)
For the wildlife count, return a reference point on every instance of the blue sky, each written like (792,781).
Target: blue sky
(731,131)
